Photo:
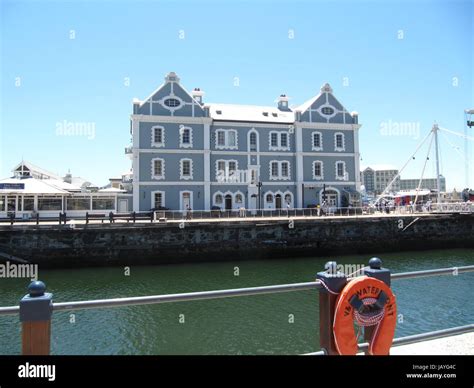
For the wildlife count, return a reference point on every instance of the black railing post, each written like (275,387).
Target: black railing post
(376,271)
(36,309)
(335,282)
(37,218)
(87,218)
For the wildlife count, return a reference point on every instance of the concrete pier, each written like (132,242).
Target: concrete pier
(462,344)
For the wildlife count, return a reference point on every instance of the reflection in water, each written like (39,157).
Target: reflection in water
(246,325)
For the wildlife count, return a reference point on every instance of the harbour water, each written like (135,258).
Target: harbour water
(266,324)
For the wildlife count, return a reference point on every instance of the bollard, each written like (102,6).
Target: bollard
(36,309)
(376,271)
(335,281)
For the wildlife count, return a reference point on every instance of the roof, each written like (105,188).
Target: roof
(380,167)
(58,183)
(30,186)
(35,168)
(112,190)
(252,113)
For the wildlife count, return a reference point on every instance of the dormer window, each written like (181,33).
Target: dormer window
(265,114)
(219,112)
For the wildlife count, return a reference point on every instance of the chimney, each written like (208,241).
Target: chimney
(355,117)
(172,77)
(68,177)
(197,95)
(283,102)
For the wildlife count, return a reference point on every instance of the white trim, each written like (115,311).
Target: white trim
(327,105)
(163,195)
(253,130)
(226,145)
(181,130)
(172,109)
(157,144)
(191,199)
(214,203)
(265,183)
(171,119)
(186,177)
(317,177)
(279,176)
(153,175)
(345,176)
(279,147)
(336,148)
(244,153)
(313,147)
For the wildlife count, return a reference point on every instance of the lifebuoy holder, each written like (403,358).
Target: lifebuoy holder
(369,302)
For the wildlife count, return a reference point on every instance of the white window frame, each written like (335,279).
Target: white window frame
(313,147)
(185,145)
(249,148)
(153,175)
(186,177)
(279,147)
(318,177)
(172,109)
(215,196)
(280,177)
(157,144)
(345,176)
(191,199)
(163,196)
(226,166)
(226,145)
(336,148)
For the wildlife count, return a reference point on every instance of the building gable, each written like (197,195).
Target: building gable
(170,99)
(325,108)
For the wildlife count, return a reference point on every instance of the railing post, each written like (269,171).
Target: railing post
(376,271)
(335,282)
(36,309)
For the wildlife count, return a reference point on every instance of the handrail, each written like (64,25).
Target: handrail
(217,294)
(411,339)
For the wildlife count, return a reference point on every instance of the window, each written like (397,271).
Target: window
(269,198)
(327,111)
(28,203)
(218,199)
(339,143)
(253,141)
(50,203)
(274,139)
(221,138)
(78,203)
(341,173)
(317,141)
(158,199)
(185,137)
(279,141)
(226,139)
(103,203)
(172,102)
(157,168)
(239,198)
(279,170)
(318,170)
(157,136)
(226,169)
(288,198)
(186,169)
(274,169)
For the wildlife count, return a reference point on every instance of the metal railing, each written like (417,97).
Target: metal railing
(218,294)
(242,214)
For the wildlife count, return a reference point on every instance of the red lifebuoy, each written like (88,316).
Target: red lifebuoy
(370,298)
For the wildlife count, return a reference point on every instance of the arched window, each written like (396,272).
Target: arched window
(253,141)
(288,198)
(218,199)
(269,198)
(238,198)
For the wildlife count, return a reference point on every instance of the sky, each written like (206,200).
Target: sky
(401,65)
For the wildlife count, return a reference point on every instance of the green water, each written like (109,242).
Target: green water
(246,325)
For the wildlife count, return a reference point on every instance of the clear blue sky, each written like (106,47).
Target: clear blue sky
(425,76)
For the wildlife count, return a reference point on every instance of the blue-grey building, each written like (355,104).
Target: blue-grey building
(190,153)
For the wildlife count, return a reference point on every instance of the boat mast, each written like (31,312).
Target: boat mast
(435,132)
